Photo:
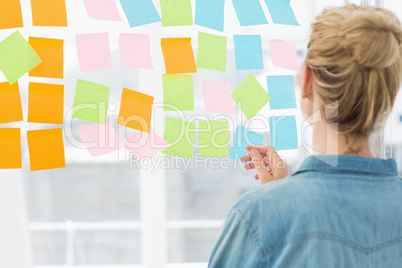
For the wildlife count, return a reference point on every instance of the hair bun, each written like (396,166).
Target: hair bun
(372,39)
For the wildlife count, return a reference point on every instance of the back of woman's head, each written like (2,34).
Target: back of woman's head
(355,58)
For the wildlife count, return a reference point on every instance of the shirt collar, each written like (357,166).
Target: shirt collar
(349,163)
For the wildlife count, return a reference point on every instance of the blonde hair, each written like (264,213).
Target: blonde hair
(355,58)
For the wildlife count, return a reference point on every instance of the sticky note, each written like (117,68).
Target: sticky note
(250,96)
(140,12)
(210,14)
(143,145)
(135,51)
(45,103)
(248,52)
(249,12)
(49,13)
(283,132)
(281,12)
(176,12)
(283,55)
(90,102)
(51,53)
(244,137)
(213,138)
(102,10)
(10,14)
(178,55)
(46,149)
(178,92)
(10,148)
(10,103)
(211,52)
(17,57)
(94,52)
(180,134)
(282,92)
(136,110)
(217,97)
(100,139)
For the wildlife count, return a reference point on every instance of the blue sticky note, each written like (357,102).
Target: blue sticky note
(282,92)
(249,12)
(244,137)
(210,14)
(281,12)
(248,51)
(140,12)
(283,132)
(400,118)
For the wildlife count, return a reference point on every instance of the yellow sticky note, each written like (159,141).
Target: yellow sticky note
(135,110)
(46,149)
(49,13)
(45,103)
(178,55)
(51,53)
(10,14)
(10,103)
(10,148)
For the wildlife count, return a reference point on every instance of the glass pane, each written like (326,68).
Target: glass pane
(191,245)
(83,192)
(49,247)
(107,247)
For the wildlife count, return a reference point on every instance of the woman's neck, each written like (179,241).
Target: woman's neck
(327,141)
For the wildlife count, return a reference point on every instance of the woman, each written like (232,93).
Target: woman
(342,208)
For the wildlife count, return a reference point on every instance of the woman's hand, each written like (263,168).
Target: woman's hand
(266,160)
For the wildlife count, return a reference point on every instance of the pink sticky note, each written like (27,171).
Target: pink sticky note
(102,9)
(283,55)
(217,97)
(94,52)
(135,51)
(100,138)
(145,145)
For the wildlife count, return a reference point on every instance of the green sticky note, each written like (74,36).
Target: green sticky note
(178,92)
(212,52)
(213,138)
(176,12)
(180,134)
(91,102)
(250,96)
(17,57)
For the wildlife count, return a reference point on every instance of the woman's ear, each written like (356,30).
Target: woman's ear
(306,83)
(307,100)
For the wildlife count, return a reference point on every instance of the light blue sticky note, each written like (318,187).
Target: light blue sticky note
(249,12)
(210,14)
(282,92)
(248,51)
(244,137)
(281,12)
(140,12)
(283,132)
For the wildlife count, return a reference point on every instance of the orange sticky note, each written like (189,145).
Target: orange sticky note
(51,53)
(135,110)
(49,13)
(10,14)
(179,56)
(10,103)
(10,148)
(45,103)
(46,149)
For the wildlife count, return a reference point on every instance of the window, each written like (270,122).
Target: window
(112,211)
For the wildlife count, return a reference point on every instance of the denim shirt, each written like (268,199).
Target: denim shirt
(335,211)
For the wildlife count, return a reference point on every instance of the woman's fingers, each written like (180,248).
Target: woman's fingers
(263,174)
(249,166)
